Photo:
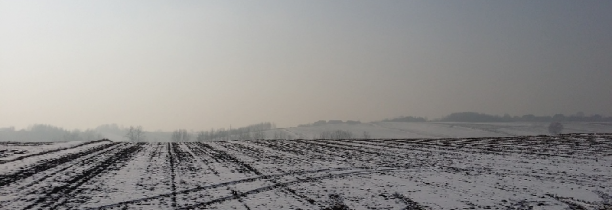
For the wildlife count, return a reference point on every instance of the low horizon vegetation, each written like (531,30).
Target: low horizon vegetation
(43,132)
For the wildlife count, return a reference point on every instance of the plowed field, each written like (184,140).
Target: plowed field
(571,171)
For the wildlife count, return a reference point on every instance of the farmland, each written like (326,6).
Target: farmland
(569,171)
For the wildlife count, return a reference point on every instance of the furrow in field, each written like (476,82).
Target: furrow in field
(221,154)
(221,187)
(278,185)
(363,157)
(60,195)
(272,161)
(146,172)
(53,160)
(194,165)
(204,157)
(480,173)
(36,183)
(265,162)
(409,147)
(284,147)
(498,146)
(311,151)
(172,159)
(61,190)
(52,151)
(190,171)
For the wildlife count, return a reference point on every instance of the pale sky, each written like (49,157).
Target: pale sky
(210,64)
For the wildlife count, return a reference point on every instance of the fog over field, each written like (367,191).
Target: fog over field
(197,65)
(313,104)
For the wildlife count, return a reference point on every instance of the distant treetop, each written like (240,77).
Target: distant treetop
(479,117)
(406,119)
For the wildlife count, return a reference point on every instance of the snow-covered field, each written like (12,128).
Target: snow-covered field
(14,150)
(570,172)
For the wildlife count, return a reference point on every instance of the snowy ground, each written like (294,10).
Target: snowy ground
(571,172)
(13,150)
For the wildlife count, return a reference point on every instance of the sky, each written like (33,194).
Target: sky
(198,65)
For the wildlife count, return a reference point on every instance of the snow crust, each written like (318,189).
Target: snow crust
(570,171)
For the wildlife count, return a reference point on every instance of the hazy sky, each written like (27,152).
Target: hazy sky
(208,64)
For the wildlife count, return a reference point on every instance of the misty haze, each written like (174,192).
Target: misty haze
(305,105)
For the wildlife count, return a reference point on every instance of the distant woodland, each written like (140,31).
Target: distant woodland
(42,132)
(479,117)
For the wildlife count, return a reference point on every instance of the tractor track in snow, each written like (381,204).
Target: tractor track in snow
(46,165)
(172,161)
(263,177)
(305,173)
(94,156)
(58,195)
(219,154)
(52,151)
(280,185)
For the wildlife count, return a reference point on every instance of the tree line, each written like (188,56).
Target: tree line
(43,132)
(481,117)
(254,131)
(325,122)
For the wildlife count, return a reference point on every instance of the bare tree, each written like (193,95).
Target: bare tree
(555,128)
(135,133)
(336,135)
(181,135)
(255,131)
(259,135)
(366,135)
(202,136)
(279,134)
